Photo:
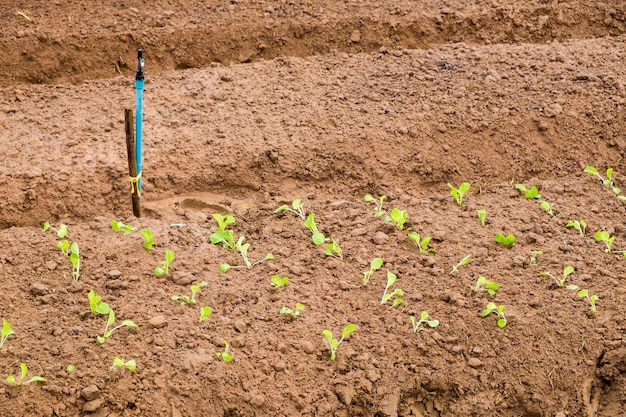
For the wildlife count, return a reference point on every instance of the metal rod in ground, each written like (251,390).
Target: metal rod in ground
(132,161)
(139,81)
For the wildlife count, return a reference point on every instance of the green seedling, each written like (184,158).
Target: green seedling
(375,265)
(462,262)
(561,280)
(547,207)
(530,193)
(70,368)
(186,299)
(378,209)
(131,365)
(334,343)
(148,238)
(110,322)
(5,332)
(64,246)
(505,241)
(482,216)
(579,225)
(422,244)
(498,310)
(293,313)
(75,258)
(205,313)
(61,231)
(592,299)
(225,355)
(165,264)
(604,236)
(417,324)
(96,304)
(317,236)
(609,175)
(458,193)
(483,284)
(391,279)
(533,257)
(12,380)
(223,236)
(278,281)
(242,248)
(297,207)
(121,227)
(333,249)
(397,217)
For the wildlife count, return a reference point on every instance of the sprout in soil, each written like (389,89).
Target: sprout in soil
(375,265)
(242,248)
(334,343)
(317,236)
(579,225)
(5,332)
(529,193)
(391,279)
(224,236)
(560,281)
(186,299)
(482,216)
(397,217)
(118,362)
(278,281)
(498,310)
(110,322)
(422,244)
(293,313)
(297,207)
(225,355)
(20,380)
(458,193)
(483,284)
(591,298)
(148,238)
(417,324)
(205,313)
(121,227)
(378,203)
(165,264)
(462,262)
(505,241)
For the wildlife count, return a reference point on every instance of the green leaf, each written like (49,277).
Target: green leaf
(433,323)
(23,370)
(46,226)
(328,335)
(368,197)
(111,319)
(62,232)
(11,380)
(6,329)
(205,313)
(501,323)
(464,188)
(350,328)
(310,223)
(391,278)
(281,208)
(424,316)
(158,271)
(131,365)
(169,256)
(148,238)
(278,282)
(591,170)
(583,293)
(376,263)
(224,267)
(129,323)
(568,270)
(318,238)
(70,368)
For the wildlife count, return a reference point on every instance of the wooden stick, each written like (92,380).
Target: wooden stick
(129,124)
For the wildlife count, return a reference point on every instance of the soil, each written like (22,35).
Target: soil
(249,105)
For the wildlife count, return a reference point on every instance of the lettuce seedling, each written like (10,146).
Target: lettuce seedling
(397,217)
(334,343)
(422,244)
(96,304)
(532,193)
(547,207)
(482,216)
(333,249)
(75,258)
(70,368)
(64,246)
(462,262)
(225,355)
(293,313)
(223,236)
(498,310)
(278,282)
(375,265)
(378,209)
(242,248)
(604,236)
(148,238)
(121,227)
(561,280)
(12,380)
(165,264)
(131,365)
(609,175)
(391,279)
(423,319)
(297,208)
(186,299)
(483,284)
(317,236)
(592,299)
(579,225)
(458,193)
(505,241)
(533,257)
(205,313)
(110,322)
(61,231)
(5,332)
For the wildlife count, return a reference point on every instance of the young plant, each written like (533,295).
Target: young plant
(423,320)
(498,310)
(186,299)
(148,238)
(533,257)
(483,284)
(242,248)
(609,175)
(579,225)
(458,193)
(96,304)
(482,216)
(121,227)
(505,241)
(205,313)
(165,264)
(547,207)
(334,343)
(604,236)
(378,209)
(397,217)
(375,265)
(61,231)
(75,258)
(110,322)
(391,279)
(317,236)
(462,262)
(224,236)
(278,282)
(5,332)
(12,380)
(70,368)
(297,207)
(131,365)
(530,193)
(64,246)
(225,355)
(293,313)
(561,280)
(422,244)
(333,249)
(592,299)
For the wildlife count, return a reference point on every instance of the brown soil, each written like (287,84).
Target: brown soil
(251,104)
